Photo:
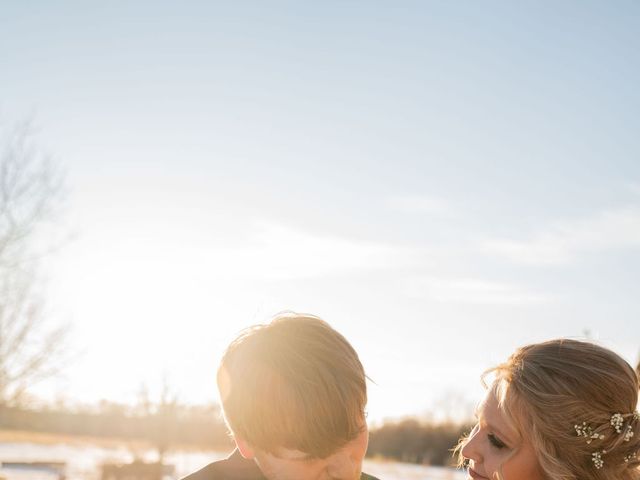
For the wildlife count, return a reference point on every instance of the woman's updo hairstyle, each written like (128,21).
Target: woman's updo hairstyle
(577,404)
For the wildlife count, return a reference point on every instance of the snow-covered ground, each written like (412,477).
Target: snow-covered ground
(83,462)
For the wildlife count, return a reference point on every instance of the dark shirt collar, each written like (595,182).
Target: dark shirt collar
(242,468)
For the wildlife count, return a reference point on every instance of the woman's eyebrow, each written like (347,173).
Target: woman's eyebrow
(505,438)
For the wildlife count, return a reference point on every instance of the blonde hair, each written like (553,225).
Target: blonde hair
(293,383)
(548,388)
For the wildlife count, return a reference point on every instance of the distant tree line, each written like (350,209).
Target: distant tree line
(162,427)
(413,441)
(169,425)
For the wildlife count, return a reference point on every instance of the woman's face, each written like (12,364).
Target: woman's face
(493,446)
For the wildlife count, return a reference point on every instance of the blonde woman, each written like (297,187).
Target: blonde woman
(558,410)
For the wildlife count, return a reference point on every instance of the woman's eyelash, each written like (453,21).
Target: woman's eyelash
(495,441)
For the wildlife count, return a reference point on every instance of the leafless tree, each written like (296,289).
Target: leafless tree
(30,195)
(163,417)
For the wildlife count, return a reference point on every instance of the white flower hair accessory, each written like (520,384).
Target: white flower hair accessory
(586,431)
(596,458)
(617,421)
(628,433)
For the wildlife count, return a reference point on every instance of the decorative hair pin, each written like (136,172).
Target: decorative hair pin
(628,433)
(617,422)
(596,458)
(586,431)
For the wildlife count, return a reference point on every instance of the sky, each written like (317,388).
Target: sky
(441,181)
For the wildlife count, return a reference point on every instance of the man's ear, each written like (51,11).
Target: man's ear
(244,448)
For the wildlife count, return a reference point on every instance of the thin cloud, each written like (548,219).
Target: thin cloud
(419,204)
(471,291)
(634,187)
(282,252)
(563,242)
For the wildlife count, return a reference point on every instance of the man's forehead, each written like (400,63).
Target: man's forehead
(291,454)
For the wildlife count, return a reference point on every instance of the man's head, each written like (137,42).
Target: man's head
(293,393)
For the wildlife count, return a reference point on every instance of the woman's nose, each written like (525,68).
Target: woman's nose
(470,449)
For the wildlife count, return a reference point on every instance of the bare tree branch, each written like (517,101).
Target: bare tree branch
(30,191)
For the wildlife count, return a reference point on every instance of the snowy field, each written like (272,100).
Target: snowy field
(83,462)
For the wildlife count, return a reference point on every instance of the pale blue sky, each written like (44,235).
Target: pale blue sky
(441,181)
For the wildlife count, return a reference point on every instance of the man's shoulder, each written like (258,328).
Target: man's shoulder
(365,476)
(205,473)
(232,468)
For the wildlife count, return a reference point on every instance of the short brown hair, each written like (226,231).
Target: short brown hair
(545,389)
(293,383)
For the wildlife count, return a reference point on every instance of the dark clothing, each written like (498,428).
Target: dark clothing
(235,467)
